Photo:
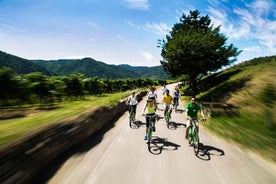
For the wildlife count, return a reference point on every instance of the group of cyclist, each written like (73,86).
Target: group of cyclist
(191,110)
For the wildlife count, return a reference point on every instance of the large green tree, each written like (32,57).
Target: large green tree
(195,47)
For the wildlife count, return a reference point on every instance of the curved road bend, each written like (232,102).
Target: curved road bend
(121,156)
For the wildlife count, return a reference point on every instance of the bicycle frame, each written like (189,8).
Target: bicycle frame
(131,116)
(193,135)
(167,114)
(149,132)
(175,103)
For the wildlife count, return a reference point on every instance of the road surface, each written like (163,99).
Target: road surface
(121,156)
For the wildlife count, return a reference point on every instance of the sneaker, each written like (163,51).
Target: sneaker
(153,128)
(146,137)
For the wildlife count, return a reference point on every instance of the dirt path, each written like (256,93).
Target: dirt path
(121,156)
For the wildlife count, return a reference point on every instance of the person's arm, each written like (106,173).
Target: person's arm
(144,109)
(136,99)
(127,102)
(202,114)
(186,113)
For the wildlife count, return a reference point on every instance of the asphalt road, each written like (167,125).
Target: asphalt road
(121,156)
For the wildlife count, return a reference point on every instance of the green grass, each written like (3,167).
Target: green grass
(11,129)
(251,122)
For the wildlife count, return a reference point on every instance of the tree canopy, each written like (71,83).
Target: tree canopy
(195,47)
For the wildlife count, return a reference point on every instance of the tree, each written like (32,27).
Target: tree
(8,85)
(194,47)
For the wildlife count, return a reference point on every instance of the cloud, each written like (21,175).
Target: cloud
(92,24)
(148,56)
(133,25)
(250,22)
(256,15)
(161,28)
(11,28)
(137,4)
(121,38)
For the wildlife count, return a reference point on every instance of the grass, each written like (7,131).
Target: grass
(251,91)
(11,129)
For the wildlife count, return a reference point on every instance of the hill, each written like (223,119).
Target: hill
(20,65)
(92,68)
(87,66)
(245,104)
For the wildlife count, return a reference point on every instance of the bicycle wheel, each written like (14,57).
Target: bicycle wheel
(149,131)
(149,134)
(195,140)
(175,106)
(190,136)
(167,117)
(131,119)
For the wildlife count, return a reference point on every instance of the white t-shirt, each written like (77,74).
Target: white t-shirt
(152,95)
(132,100)
(164,89)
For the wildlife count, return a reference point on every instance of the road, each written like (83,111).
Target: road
(121,156)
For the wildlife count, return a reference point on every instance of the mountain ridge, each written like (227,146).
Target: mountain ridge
(89,67)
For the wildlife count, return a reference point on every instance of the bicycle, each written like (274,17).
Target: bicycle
(167,115)
(131,117)
(152,118)
(193,135)
(175,104)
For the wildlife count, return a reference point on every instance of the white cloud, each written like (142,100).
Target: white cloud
(138,4)
(133,25)
(148,56)
(92,24)
(121,38)
(11,28)
(251,22)
(161,28)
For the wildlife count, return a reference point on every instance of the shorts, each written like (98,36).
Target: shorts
(148,119)
(189,122)
(132,106)
(167,106)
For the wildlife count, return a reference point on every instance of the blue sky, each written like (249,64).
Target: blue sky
(126,31)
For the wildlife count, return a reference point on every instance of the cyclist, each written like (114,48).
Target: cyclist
(132,102)
(192,110)
(152,94)
(176,96)
(168,102)
(151,108)
(164,89)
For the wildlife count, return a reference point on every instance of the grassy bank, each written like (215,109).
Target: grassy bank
(13,128)
(250,120)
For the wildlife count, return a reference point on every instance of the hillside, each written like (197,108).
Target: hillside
(20,65)
(87,66)
(92,68)
(247,94)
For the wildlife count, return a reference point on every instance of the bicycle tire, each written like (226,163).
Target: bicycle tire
(149,131)
(131,118)
(167,116)
(195,141)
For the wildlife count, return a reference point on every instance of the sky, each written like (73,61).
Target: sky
(127,31)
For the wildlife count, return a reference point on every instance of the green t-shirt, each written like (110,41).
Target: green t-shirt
(192,110)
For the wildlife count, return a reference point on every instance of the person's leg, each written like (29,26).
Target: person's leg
(134,111)
(187,129)
(147,125)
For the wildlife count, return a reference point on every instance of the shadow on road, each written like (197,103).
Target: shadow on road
(137,124)
(179,110)
(206,151)
(157,145)
(173,125)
